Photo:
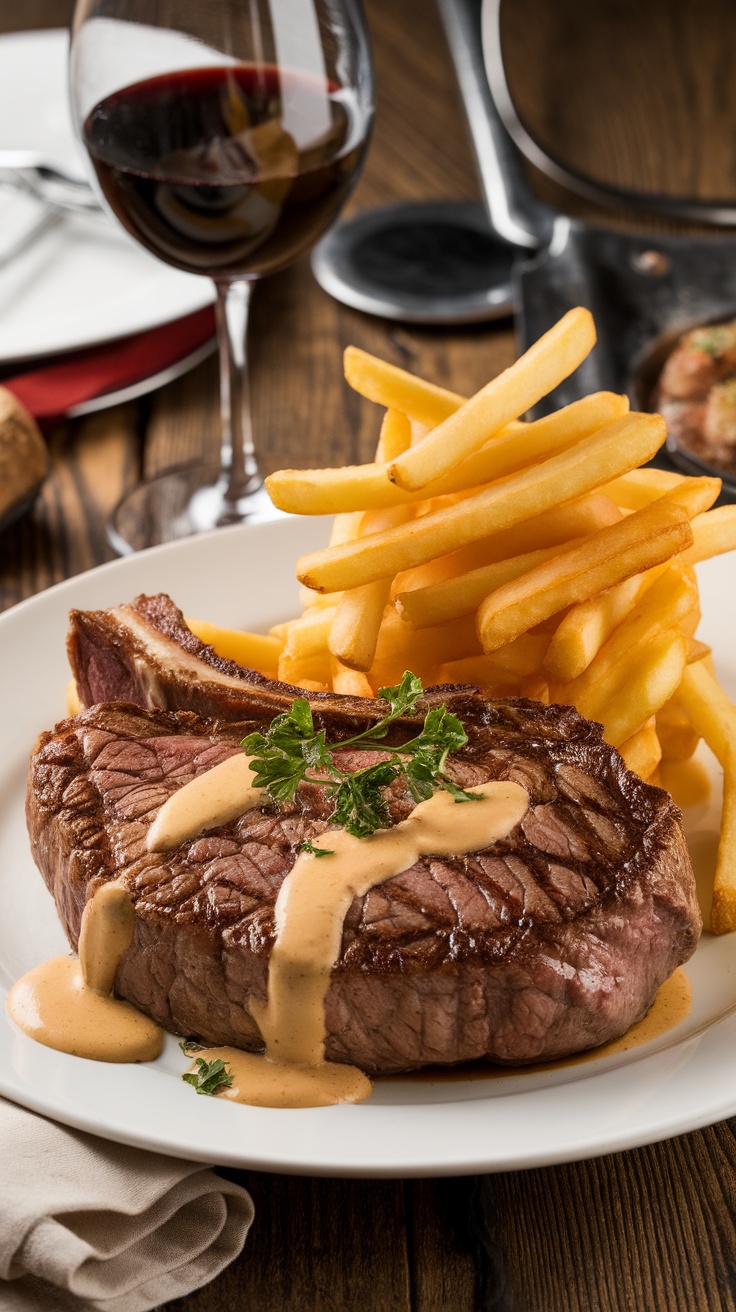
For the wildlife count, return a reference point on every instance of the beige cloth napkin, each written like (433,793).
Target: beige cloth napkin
(89,1224)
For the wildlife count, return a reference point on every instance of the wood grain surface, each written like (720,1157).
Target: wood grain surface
(645,1231)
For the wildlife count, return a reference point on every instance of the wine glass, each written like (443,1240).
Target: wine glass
(224,136)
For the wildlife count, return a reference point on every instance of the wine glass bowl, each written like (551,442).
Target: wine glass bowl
(224,138)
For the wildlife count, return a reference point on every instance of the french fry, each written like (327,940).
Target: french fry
(713,715)
(395,388)
(255,651)
(677,736)
(461,595)
(708,708)
(642,752)
(310,672)
(73,704)
(696,650)
(661,607)
(648,682)
(354,632)
(616,447)
(308,636)
(356,487)
(351,683)
(355,628)
(640,487)
(395,437)
(585,628)
(713,533)
(558,526)
(645,538)
(695,495)
(520,659)
(550,360)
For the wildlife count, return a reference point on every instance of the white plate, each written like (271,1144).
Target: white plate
(245,576)
(83,281)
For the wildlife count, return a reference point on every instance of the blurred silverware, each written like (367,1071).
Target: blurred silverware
(29,171)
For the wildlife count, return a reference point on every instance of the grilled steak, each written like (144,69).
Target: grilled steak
(552,941)
(145,653)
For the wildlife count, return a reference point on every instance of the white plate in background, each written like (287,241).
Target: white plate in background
(83,281)
(245,577)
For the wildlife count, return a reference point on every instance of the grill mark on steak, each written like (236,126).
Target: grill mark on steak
(553,940)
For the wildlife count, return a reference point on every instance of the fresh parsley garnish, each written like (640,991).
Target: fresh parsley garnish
(283,757)
(210,1076)
(308,846)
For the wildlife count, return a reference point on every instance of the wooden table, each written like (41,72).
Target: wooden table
(644,1231)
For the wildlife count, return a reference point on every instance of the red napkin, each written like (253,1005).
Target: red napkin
(52,389)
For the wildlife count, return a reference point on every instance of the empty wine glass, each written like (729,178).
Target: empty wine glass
(224,136)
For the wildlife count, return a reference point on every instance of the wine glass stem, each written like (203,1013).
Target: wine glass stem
(238,457)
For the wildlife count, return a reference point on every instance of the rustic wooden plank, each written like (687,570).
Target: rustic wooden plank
(650,1229)
(442,1251)
(316,1246)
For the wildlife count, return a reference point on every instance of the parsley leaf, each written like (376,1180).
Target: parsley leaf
(308,846)
(291,747)
(209,1077)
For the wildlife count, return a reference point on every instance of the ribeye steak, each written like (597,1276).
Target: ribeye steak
(552,941)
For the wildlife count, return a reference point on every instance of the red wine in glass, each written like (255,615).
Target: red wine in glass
(224,136)
(202,167)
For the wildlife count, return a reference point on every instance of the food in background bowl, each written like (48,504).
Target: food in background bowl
(696,393)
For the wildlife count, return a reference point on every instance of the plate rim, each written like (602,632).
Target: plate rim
(201,292)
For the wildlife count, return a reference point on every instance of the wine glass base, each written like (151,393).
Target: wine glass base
(180,503)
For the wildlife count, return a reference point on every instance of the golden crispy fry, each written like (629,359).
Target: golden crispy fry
(713,533)
(723,912)
(393,387)
(399,648)
(616,447)
(557,526)
(643,539)
(346,528)
(354,632)
(255,651)
(696,650)
(351,683)
(642,751)
(649,681)
(73,704)
(463,594)
(308,598)
(520,659)
(551,359)
(311,672)
(308,636)
(536,688)
(355,487)
(695,495)
(713,715)
(661,607)
(708,708)
(640,487)
(395,436)
(677,736)
(585,628)
(356,625)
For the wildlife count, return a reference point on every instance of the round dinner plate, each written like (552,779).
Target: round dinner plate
(82,281)
(245,577)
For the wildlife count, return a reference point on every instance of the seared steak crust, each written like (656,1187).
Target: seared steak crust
(553,940)
(144,652)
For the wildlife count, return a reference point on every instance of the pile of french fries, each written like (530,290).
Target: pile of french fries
(535,559)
